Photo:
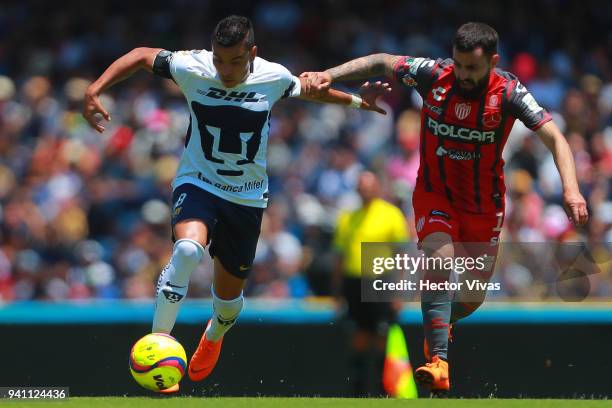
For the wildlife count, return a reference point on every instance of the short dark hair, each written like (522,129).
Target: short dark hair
(232,30)
(476,35)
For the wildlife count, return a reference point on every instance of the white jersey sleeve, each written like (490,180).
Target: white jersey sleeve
(289,84)
(187,65)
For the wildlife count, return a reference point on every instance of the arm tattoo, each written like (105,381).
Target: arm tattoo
(365,67)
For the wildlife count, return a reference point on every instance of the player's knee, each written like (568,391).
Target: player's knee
(194,230)
(187,253)
(438,244)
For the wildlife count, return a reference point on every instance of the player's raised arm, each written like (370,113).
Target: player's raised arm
(369,92)
(122,68)
(573,201)
(373,65)
(523,106)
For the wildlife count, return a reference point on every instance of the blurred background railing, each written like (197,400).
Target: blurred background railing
(290,312)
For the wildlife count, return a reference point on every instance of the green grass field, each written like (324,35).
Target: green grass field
(187,402)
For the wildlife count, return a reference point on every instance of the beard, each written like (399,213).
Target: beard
(476,89)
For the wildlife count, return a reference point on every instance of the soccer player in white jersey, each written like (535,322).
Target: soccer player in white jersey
(221,186)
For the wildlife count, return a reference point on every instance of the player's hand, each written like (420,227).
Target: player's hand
(576,208)
(317,81)
(370,92)
(93,106)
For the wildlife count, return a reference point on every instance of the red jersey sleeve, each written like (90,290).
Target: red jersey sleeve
(417,72)
(524,107)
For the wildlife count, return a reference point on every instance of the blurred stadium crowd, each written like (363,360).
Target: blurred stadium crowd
(85,215)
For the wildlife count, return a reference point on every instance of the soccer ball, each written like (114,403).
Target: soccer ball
(157,361)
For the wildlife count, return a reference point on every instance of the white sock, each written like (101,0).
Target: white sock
(225,313)
(173,283)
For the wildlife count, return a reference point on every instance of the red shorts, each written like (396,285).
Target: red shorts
(434,213)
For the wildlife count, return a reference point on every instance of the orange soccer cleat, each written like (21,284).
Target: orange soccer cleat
(205,358)
(434,375)
(170,390)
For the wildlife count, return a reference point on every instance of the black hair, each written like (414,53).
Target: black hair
(232,30)
(476,35)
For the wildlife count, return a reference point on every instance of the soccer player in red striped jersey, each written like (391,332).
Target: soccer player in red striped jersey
(469,107)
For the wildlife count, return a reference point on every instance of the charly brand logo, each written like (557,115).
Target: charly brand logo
(438,93)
